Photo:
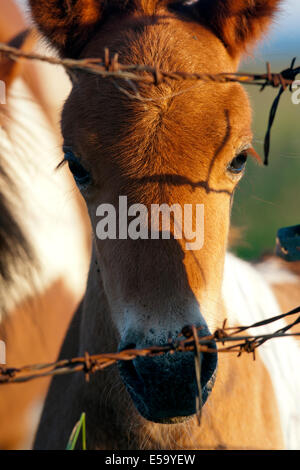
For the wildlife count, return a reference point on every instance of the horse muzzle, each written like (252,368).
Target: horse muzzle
(164,388)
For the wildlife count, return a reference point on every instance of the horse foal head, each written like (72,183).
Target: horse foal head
(181,144)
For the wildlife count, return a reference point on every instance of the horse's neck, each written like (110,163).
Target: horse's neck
(248,299)
(116,415)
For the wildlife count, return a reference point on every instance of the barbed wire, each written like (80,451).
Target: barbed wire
(110,67)
(188,340)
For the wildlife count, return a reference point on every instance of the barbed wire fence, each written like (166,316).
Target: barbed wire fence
(188,340)
(110,68)
(223,340)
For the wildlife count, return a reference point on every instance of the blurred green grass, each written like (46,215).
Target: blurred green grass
(268,197)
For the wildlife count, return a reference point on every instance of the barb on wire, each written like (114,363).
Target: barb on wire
(188,340)
(112,68)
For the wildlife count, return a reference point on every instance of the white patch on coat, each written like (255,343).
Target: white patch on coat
(47,209)
(275,273)
(249,299)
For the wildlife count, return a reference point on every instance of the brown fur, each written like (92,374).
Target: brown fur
(9,68)
(237,22)
(33,330)
(11,21)
(172,147)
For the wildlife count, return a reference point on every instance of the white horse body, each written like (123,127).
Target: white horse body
(249,298)
(45,206)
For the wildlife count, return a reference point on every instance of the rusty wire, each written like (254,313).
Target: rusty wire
(110,67)
(188,340)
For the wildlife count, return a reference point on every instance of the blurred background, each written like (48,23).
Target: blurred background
(269,197)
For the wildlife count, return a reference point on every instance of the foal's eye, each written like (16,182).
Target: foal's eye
(81,175)
(237,165)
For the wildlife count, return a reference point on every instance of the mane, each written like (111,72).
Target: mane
(16,252)
(17,259)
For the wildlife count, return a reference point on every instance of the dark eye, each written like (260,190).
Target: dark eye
(81,175)
(237,165)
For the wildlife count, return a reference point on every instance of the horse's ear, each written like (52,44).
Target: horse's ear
(238,23)
(68,24)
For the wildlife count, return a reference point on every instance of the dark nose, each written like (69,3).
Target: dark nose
(164,388)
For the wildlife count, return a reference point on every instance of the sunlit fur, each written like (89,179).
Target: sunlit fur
(174,146)
(37,293)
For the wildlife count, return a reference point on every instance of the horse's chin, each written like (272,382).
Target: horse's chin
(169,416)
